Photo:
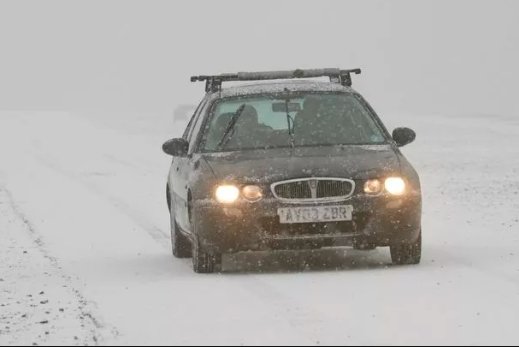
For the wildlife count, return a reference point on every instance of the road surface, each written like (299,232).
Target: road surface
(85,253)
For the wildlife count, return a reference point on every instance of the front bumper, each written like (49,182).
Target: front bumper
(381,221)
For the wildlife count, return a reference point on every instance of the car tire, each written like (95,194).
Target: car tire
(180,244)
(407,254)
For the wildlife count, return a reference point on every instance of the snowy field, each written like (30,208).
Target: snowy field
(85,253)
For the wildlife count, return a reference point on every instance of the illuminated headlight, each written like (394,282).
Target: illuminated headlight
(252,193)
(373,187)
(227,194)
(395,185)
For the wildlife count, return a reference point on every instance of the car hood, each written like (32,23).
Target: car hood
(267,166)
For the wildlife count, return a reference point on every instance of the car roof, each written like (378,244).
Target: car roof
(279,87)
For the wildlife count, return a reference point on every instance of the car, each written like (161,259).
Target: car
(292,163)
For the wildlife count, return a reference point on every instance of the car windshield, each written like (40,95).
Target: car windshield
(275,121)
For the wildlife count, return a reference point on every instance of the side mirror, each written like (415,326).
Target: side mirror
(176,147)
(403,136)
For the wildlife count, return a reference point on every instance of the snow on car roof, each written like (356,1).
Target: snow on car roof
(279,87)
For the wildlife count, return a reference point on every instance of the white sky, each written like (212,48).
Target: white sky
(417,56)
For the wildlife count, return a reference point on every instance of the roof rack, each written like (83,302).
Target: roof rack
(214,83)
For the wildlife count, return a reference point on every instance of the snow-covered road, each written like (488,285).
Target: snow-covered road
(85,253)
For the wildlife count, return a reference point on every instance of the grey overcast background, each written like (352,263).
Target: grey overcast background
(437,56)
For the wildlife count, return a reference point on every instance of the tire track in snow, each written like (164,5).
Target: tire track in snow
(302,315)
(497,274)
(299,316)
(97,330)
(135,215)
(260,289)
(305,319)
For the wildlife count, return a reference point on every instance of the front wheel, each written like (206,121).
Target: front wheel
(407,254)
(180,244)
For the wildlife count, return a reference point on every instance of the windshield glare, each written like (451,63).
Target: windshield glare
(318,120)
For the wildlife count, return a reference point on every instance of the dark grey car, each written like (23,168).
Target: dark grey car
(290,165)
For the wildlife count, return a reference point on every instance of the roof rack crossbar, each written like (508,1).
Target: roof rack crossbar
(214,83)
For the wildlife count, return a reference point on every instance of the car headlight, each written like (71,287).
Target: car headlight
(252,193)
(227,194)
(395,185)
(373,187)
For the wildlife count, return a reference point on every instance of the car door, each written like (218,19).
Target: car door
(174,179)
(182,168)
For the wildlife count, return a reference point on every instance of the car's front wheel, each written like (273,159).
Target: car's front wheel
(407,254)
(180,244)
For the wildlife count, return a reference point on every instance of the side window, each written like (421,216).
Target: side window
(195,130)
(187,132)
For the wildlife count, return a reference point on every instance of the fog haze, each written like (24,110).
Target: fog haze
(433,56)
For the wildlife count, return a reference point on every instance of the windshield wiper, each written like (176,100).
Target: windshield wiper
(290,120)
(230,127)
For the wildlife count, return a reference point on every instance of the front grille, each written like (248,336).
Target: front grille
(313,189)
(294,190)
(327,189)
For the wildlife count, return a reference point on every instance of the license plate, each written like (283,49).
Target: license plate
(315,214)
